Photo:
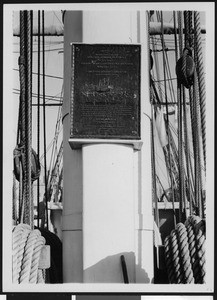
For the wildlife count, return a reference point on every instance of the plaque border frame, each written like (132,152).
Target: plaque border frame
(78,139)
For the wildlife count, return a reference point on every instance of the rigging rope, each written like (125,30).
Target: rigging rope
(185,246)
(188,44)
(154,187)
(14,215)
(28,205)
(22,75)
(201,78)
(44,120)
(180,137)
(25,64)
(198,178)
(38,115)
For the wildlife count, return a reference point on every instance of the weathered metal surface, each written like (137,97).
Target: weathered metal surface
(105,91)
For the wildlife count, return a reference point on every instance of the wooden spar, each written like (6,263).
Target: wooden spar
(57,30)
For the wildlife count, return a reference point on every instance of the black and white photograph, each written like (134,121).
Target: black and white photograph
(108,148)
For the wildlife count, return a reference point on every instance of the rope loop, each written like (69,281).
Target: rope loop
(27,246)
(185,252)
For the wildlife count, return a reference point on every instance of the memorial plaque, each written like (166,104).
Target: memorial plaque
(105,91)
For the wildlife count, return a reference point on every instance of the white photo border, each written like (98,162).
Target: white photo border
(8,286)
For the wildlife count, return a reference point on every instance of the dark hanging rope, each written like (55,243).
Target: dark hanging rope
(38,113)
(180,141)
(28,207)
(44,119)
(22,71)
(188,28)
(188,43)
(25,65)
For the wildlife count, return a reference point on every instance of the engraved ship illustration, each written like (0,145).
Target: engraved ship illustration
(104,86)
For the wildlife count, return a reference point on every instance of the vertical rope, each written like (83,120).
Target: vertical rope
(180,153)
(38,115)
(188,28)
(201,79)
(44,118)
(28,205)
(187,155)
(19,123)
(197,146)
(180,20)
(20,194)
(180,141)
(22,65)
(187,182)
(14,212)
(188,43)
(22,73)
(154,173)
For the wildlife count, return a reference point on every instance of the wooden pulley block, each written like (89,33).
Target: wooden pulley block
(19,161)
(185,67)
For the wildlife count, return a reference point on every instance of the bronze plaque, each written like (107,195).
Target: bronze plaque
(105,95)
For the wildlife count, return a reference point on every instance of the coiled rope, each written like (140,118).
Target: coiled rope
(185,252)
(27,246)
